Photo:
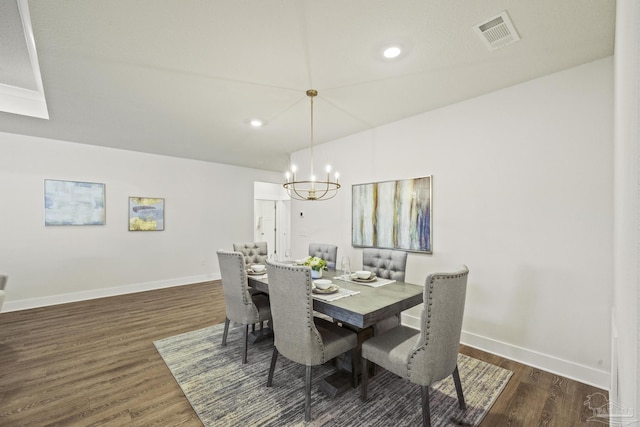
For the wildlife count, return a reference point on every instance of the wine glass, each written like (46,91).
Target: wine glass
(345,266)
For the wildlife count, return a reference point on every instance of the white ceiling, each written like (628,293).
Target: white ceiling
(184,77)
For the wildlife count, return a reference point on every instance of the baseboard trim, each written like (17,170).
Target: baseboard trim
(30,303)
(565,368)
(614,387)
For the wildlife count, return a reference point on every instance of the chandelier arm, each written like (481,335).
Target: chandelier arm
(328,185)
(301,197)
(291,186)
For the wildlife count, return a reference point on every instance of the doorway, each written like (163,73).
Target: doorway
(272,219)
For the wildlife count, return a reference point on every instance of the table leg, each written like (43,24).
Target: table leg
(348,374)
(261,334)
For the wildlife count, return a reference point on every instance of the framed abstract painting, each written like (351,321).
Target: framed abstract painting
(146,214)
(73,203)
(393,215)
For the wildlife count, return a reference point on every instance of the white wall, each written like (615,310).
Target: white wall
(48,265)
(522,194)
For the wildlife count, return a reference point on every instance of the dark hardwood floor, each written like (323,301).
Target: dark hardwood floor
(93,363)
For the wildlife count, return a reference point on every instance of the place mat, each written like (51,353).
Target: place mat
(342,293)
(377,283)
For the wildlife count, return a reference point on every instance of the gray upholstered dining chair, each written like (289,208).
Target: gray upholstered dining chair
(242,307)
(298,335)
(430,354)
(3,283)
(327,252)
(387,264)
(254,252)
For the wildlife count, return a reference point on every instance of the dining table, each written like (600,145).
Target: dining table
(359,306)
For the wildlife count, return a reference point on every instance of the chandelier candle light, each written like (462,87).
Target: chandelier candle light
(311,189)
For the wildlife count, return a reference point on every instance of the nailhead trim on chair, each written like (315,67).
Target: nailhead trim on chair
(309,319)
(427,331)
(312,325)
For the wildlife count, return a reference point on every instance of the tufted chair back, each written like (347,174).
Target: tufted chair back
(385,263)
(328,253)
(254,252)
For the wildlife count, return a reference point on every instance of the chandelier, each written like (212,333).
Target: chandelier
(311,189)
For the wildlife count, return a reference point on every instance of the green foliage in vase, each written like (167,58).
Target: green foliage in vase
(317,264)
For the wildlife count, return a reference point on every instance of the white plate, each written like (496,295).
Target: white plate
(372,278)
(253,273)
(332,289)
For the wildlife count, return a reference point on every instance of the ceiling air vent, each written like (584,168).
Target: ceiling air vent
(497,32)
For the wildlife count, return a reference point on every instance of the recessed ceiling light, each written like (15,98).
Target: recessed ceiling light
(392,52)
(256,123)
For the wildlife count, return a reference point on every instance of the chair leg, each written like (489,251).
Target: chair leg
(226,331)
(245,339)
(354,370)
(426,412)
(307,394)
(274,356)
(364,379)
(456,380)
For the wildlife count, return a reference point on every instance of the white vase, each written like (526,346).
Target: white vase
(315,274)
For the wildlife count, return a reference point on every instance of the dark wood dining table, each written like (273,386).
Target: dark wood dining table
(359,312)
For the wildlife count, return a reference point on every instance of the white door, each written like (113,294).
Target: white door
(272,219)
(265,224)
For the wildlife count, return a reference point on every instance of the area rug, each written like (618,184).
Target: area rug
(223,392)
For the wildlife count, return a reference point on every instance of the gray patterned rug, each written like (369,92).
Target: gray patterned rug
(223,392)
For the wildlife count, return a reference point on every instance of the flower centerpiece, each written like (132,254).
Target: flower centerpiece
(317,265)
